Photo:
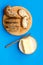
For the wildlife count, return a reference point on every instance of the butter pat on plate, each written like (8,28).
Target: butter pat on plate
(28,45)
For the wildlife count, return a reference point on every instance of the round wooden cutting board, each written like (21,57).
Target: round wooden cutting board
(13,25)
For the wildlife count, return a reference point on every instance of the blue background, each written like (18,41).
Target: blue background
(12,55)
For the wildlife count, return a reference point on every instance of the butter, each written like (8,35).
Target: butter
(28,45)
